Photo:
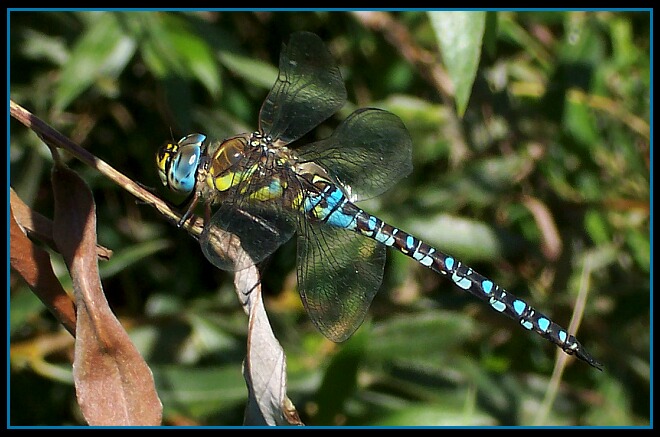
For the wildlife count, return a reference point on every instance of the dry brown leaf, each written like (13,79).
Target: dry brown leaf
(40,227)
(33,264)
(114,385)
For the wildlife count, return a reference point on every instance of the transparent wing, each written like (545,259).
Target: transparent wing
(309,89)
(367,154)
(339,273)
(258,230)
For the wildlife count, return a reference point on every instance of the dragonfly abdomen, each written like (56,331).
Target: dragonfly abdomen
(333,207)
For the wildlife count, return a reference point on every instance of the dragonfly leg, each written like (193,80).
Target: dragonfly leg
(189,209)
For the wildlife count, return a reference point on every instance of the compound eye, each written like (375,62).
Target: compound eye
(196,140)
(178,164)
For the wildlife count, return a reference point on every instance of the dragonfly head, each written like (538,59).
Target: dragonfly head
(177,163)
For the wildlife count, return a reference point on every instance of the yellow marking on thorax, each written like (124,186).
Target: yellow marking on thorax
(221,183)
(273,191)
(220,176)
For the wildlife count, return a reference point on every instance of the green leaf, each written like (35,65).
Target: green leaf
(198,59)
(580,122)
(340,379)
(470,239)
(596,226)
(102,52)
(490,34)
(512,32)
(130,256)
(460,36)
(256,72)
(640,248)
(173,48)
(201,390)
(24,306)
(390,339)
(436,415)
(39,46)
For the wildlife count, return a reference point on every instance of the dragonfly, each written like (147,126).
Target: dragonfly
(266,191)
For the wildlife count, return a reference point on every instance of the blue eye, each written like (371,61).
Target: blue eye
(181,175)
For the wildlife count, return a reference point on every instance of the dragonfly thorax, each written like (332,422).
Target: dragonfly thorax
(249,166)
(258,139)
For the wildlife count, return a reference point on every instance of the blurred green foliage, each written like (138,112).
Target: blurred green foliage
(542,185)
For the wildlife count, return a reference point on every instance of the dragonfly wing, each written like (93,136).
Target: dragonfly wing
(339,273)
(367,153)
(309,89)
(258,230)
